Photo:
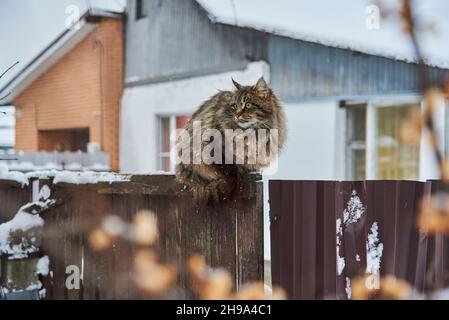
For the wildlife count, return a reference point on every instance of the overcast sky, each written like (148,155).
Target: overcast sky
(27,26)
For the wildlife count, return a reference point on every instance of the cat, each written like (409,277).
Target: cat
(246,107)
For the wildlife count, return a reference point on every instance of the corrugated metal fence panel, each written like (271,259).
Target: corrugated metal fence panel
(304,235)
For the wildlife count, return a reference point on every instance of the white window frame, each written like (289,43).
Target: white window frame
(371,133)
(172,127)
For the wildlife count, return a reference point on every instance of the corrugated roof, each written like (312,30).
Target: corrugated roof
(333,24)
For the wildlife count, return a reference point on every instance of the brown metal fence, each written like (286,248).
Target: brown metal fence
(304,235)
(228,235)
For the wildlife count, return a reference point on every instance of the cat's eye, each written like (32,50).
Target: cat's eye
(248,105)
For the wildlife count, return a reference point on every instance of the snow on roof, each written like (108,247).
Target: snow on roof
(340,24)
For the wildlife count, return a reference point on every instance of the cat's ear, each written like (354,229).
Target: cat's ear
(262,88)
(236,84)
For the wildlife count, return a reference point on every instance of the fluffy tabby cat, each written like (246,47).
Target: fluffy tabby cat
(254,107)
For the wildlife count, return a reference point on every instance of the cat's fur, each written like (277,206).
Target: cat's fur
(254,107)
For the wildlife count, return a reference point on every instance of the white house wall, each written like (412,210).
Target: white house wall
(141,106)
(313,150)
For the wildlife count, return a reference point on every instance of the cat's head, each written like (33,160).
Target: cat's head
(253,103)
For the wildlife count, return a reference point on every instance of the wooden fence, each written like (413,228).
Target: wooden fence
(322,232)
(228,235)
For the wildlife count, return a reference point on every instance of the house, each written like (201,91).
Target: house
(68,97)
(343,105)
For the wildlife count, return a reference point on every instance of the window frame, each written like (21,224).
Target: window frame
(141,10)
(371,166)
(172,118)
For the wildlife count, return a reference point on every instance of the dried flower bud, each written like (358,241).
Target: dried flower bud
(151,276)
(209,284)
(433,97)
(434,215)
(252,291)
(216,286)
(197,265)
(99,240)
(393,288)
(410,130)
(387,287)
(144,228)
(446,88)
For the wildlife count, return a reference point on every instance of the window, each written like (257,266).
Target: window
(167,124)
(141,9)
(356,146)
(394,159)
(374,150)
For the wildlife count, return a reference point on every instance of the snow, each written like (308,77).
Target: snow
(21,221)
(343,26)
(348,288)
(34,286)
(44,193)
(374,250)
(19,177)
(442,294)
(340,259)
(25,221)
(42,266)
(351,214)
(88,177)
(42,293)
(27,166)
(354,210)
(357,257)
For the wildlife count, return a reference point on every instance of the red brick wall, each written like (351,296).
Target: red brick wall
(73,93)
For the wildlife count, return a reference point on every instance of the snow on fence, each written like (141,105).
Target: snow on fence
(229,235)
(325,233)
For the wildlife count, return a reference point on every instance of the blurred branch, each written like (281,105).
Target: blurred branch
(410,27)
(1,75)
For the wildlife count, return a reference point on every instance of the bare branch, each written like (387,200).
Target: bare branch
(1,75)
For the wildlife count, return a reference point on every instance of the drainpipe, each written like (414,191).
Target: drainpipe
(99,45)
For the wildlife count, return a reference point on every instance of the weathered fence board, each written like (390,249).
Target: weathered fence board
(12,196)
(229,235)
(304,237)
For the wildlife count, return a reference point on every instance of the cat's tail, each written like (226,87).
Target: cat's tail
(207,183)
